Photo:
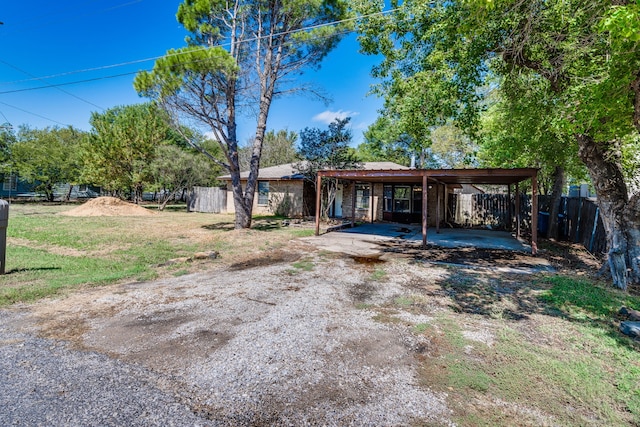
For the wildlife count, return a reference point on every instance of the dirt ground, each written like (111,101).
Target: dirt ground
(289,337)
(108,206)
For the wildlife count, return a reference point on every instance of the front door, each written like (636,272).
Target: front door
(337,211)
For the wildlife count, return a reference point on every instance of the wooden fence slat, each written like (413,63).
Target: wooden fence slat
(579,223)
(208,199)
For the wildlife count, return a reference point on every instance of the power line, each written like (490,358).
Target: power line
(34,114)
(138,61)
(71,83)
(53,86)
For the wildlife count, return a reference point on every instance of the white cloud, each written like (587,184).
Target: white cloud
(328,116)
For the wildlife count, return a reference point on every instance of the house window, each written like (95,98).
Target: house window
(402,198)
(263,193)
(10,183)
(362,196)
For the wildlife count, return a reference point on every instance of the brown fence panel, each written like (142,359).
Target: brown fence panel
(208,199)
(581,223)
(578,221)
(488,210)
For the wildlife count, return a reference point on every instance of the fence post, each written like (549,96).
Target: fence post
(577,236)
(4,222)
(595,227)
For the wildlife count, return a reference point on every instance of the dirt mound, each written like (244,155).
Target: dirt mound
(108,206)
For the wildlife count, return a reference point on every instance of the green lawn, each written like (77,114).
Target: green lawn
(48,252)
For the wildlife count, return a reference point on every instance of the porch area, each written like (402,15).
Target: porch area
(411,196)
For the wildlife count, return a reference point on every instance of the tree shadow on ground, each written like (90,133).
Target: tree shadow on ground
(260,224)
(24,270)
(512,285)
(220,226)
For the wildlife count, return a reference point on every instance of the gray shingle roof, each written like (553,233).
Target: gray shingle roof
(288,171)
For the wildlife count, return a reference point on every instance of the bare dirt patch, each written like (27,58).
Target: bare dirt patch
(249,342)
(258,341)
(108,206)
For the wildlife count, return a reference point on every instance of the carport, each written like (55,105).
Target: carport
(441,179)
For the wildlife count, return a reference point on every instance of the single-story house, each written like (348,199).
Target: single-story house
(283,189)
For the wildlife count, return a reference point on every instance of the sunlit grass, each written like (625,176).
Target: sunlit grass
(48,253)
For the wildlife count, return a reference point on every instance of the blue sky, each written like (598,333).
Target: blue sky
(63,39)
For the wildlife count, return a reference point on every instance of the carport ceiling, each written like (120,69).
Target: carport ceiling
(444,176)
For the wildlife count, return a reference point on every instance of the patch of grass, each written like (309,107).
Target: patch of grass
(303,265)
(572,369)
(378,274)
(404,301)
(48,253)
(384,317)
(180,273)
(364,306)
(584,299)
(421,328)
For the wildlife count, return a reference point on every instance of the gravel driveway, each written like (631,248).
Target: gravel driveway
(282,340)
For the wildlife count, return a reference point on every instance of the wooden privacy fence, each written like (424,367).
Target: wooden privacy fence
(578,220)
(494,210)
(207,199)
(582,224)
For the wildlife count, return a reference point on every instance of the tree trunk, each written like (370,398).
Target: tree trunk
(69,193)
(620,216)
(556,196)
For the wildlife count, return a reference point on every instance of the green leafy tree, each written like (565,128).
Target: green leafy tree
(121,145)
(7,139)
(577,56)
(240,56)
(382,142)
(46,157)
(326,150)
(277,148)
(175,170)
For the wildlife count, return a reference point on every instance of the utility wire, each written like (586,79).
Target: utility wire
(138,61)
(52,85)
(71,83)
(34,114)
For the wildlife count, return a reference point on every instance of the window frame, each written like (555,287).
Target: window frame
(263,196)
(363,196)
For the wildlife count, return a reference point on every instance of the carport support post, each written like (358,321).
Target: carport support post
(353,204)
(534,215)
(371,200)
(438,208)
(424,210)
(318,201)
(510,209)
(517,210)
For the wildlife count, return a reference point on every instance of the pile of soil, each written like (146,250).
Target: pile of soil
(108,206)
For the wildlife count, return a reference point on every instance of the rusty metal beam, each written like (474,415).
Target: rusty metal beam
(425,211)
(534,215)
(517,211)
(318,201)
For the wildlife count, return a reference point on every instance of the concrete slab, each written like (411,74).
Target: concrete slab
(448,237)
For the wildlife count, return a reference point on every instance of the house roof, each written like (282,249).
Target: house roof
(288,171)
(444,176)
(279,172)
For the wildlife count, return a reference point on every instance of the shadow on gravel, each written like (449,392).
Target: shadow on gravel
(272,258)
